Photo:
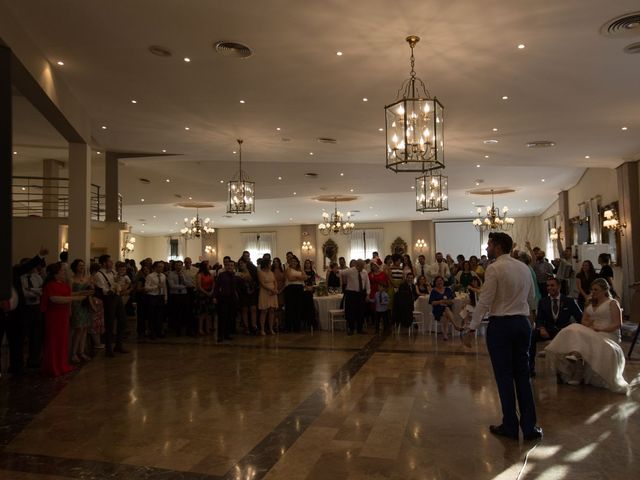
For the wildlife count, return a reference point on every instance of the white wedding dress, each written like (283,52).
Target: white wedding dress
(603,358)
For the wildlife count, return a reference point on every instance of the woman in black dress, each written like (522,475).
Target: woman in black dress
(584,279)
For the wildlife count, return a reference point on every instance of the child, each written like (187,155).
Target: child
(382,306)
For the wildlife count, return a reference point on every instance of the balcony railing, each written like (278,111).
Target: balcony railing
(49,198)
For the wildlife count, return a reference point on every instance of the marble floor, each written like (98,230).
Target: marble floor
(306,406)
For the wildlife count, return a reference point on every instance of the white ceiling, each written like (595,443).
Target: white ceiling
(570,85)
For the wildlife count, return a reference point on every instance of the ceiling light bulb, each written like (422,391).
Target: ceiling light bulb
(505,97)
(341,174)
(495,129)
(103,127)
(365,99)
(381,129)
(486,156)
(478,165)
(15,153)
(167,180)
(134,101)
(542,180)
(624,129)
(60,62)
(98,153)
(587,156)
(277,211)
(242,101)
(221,181)
(186,128)
(310,153)
(279,178)
(339,54)
(521,46)
(190,198)
(294,193)
(164,150)
(155,216)
(187,59)
(142,199)
(526,201)
(278,128)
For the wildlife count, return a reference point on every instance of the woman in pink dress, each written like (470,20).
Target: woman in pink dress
(56,305)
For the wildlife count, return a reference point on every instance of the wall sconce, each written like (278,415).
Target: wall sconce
(612,222)
(129,245)
(306,246)
(209,250)
(421,244)
(554,233)
(65,247)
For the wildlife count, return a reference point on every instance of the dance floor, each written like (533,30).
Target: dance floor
(306,406)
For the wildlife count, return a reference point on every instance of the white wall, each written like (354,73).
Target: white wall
(230,240)
(594,182)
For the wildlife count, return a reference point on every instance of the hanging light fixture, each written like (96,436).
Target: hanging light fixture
(337,222)
(197,227)
(241,192)
(494,219)
(414,126)
(432,192)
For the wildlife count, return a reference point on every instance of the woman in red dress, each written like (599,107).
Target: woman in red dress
(56,305)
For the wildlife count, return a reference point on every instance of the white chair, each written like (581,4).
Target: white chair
(418,320)
(336,316)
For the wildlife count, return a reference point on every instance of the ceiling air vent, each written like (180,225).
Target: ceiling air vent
(232,49)
(311,175)
(627,25)
(632,48)
(146,181)
(160,51)
(541,144)
(332,141)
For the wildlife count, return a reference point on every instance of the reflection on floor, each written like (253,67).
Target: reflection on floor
(305,406)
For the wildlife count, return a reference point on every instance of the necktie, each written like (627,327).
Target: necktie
(422,270)
(159,284)
(360,282)
(555,308)
(29,282)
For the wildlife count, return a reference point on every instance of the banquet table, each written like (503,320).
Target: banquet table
(323,305)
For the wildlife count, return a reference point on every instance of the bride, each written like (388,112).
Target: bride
(590,352)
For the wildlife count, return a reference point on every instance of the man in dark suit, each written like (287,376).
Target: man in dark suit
(555,311)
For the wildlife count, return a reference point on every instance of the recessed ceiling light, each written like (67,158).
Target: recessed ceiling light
(478,165)
(60,62)
(164,150)
(365,99)
(24,188)
(624,129)
(587,156)
(242,101)
(371,207)
(290,219)
(141,231)
(310,153)
(473,203)
(176,223)
(351,190)
(234,152)
(477,184)
(521,46)
(15,153)
(294,193)
(486,156)
(341,174)
(98,153)
(187,59)
(167,180)
(542,180)
(491,141)
(142,199)
(221,181)
(413,187)
(279,178)
(134,101)
(495,129)
(186,128)
(519,209)
(375,215)
(339,53)
(504,97)
(381,129)
(277,211)
(155,216)
(278,128)
(526,201)
(103,127)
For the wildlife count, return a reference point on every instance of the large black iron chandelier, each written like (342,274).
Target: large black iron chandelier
(336,222)
(432,192)
(414,126)
(241,192)
(197,227)
(494,219)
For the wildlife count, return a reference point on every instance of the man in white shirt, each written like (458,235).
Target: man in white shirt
(357,289)
(178,306)
(440,268)
(190,272)
(107,290)
(155,286)
(422,268)
(506,292)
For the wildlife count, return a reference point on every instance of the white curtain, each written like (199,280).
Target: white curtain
(595,222)
(181,248)
(365,242)
(259,243)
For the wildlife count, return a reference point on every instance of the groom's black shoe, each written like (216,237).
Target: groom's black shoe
(502,432)
(536,434)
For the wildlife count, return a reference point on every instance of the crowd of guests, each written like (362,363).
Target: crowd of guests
(68,312)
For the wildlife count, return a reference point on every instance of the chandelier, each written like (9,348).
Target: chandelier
(197,227)
(241,192)
(612,222)
(337,222)
(432,192)
(494,220)
(414,126)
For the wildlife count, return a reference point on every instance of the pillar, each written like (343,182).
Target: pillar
(80,201)
(111,187)
(629,212)
(563,206)
(50,173)
(6,172)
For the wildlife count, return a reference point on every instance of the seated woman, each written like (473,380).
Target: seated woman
(423,286)
(441,299)
(464,276)
(474,295)
(590,352)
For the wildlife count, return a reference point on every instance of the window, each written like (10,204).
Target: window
(365,242)
(259,243)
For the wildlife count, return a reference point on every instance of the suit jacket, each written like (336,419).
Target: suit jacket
(569,313)
(18,271)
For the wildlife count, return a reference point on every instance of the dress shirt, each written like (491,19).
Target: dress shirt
(32,288)
(350,279)
(156,284)
(422,270)
(507,290)
(190,276)
(105,281)
(441,269)
(543,269)
(177,283)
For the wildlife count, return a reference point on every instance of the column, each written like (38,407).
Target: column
(629,212)
(6,172)
(111,187)
(79,201)
(50,173)
(563,206)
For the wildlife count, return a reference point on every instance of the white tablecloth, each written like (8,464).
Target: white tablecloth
(323,305)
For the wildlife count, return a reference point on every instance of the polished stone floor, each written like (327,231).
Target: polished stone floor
(306,406)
